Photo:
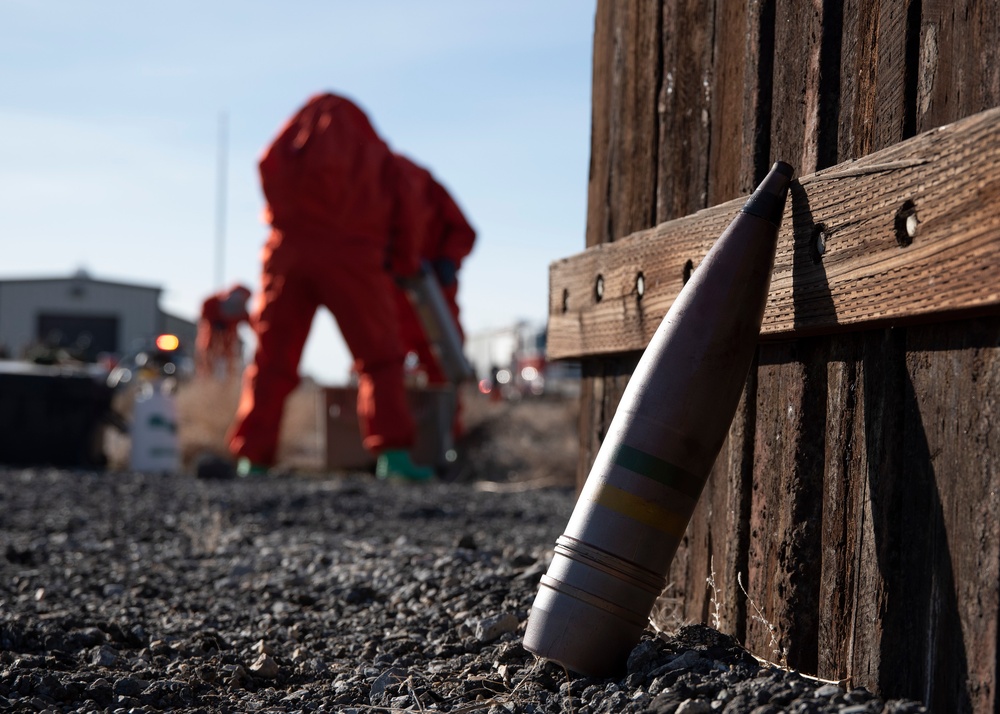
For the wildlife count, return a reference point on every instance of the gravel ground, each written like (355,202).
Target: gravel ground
(131,593)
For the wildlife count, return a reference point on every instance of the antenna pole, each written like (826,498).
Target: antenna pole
(220,199)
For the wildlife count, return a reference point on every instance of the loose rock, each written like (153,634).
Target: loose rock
(158,590)
(265,667)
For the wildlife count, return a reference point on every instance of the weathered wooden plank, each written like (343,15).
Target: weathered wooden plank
(740,115)
(622,192)
(683,108)
(959,66)
(950,579)
(796,119)
(951,441)
(862,481)
(719,106)
(599,181)
(874,76)
(783,580)
(910,584)
(842,499)
(864,432)
(785,545)
(623,172)
(732,486)
(946,179)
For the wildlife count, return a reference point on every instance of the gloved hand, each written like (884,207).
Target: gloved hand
(446,271)
(401,272)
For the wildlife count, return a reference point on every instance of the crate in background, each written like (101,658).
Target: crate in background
(433,410)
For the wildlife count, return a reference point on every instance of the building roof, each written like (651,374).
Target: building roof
(80,276)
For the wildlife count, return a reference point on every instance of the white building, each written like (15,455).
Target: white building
(85,315)
(518,354)
(491,349)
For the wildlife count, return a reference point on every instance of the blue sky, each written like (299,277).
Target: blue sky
(110,113)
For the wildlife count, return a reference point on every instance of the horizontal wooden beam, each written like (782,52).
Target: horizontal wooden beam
(908,233)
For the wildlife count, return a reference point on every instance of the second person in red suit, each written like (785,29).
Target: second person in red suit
(446,240)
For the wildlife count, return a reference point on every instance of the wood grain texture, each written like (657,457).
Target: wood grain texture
(733,103)
(874,77)
(725,94)
(784,546)
(599,179)
(864,425)
(959,60)
(703,575)
(622,189)
(951,467)
(840,518)
(856,494)
(864,278)
(862,461)
(683,105)
(795,120)
(785,513)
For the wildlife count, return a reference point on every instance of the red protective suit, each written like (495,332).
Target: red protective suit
(446,236)
(331,189)
(217,343)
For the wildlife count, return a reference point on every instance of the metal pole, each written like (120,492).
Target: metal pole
(220,200)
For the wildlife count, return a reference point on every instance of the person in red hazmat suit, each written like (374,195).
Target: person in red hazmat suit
(337,210)
(447,240)
(217,343)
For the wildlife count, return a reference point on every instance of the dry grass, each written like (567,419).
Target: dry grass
(532,443)
(665,616)
(205,410)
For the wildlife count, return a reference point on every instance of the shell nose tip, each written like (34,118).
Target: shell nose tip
(783,168)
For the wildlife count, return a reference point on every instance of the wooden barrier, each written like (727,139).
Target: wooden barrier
(909,233)
(850,526)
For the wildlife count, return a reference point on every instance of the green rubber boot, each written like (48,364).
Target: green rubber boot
(396,464)
(246,467)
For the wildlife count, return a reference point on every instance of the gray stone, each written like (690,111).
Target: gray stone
(264,666)
(688,660)
(315,569)
(492,628)
(694,706)
(391,676)
(827,691)
(104,656)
